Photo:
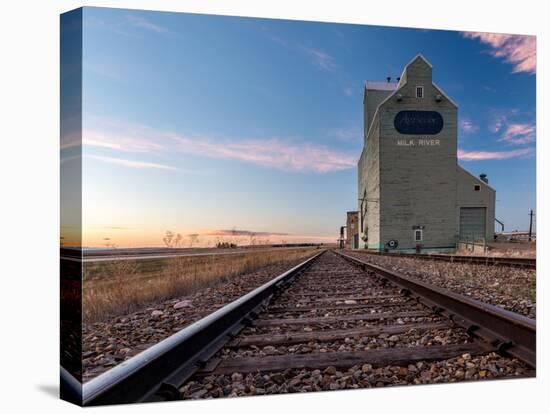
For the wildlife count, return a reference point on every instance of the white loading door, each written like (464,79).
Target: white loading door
(472,223)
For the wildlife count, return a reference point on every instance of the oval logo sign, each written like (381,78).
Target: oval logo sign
(392,244)
(418,122)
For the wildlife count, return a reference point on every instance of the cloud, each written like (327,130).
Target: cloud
(275,153)
(131,163)
(124,26)
(65,159)
(519,133)
(348,91)
(121,142)
(318,58)
(70,140)
(142,23)
(236,232)
(467,126)
(499,118)
(493,155)
(321,59)
(351,134)
(112,228)
(518,50)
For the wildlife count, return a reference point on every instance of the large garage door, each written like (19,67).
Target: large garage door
(472,223)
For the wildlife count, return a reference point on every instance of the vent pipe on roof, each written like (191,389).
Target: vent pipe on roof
(398,78)
(388,78)
(483,177)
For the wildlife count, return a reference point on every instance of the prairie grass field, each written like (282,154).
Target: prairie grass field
(122,286)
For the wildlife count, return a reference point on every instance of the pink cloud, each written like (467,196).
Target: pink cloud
(273,153)
(518,50)
(519,133)
(467,126)
(493,155)
(347,134)
(496,122)
(131,163)
(248,233)
(120,142)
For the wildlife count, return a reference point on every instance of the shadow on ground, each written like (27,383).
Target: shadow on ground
(51,390)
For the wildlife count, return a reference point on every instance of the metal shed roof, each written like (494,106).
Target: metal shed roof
(381,85)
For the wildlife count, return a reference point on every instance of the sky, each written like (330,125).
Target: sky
(250,129)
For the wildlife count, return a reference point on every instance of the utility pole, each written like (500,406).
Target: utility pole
(342,236)
(531,225)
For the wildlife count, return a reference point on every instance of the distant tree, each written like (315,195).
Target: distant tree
(108,243)
(193,238)
(168,237)
(172,239)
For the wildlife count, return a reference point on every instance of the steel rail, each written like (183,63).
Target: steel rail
(509,332)
(157,373)
(70,388)
(526,263)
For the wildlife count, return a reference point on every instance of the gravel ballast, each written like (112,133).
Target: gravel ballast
(108,343)
(510,288)
(463,368)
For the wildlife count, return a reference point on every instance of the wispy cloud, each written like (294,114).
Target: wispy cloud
(321,59)
(519,133)
(282,154)
(122,142)
(493,155)
(64,159)
(518,50)
(132,163)
(467,126)
(349,134)
(512,132)
(348,91)
(235,232)
(143,23)
(125,26)
(112,228)
(274,153)
(499,118)
(70,140)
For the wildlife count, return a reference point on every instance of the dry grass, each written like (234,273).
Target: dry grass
(514,249)
(121,287)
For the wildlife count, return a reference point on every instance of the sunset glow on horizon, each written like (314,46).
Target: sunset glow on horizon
(123,238)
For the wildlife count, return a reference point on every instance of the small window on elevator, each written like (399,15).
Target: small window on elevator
(419,91)
(418,235)
(477,187)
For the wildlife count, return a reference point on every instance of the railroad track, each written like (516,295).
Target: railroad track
(333,317)
(527,263)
